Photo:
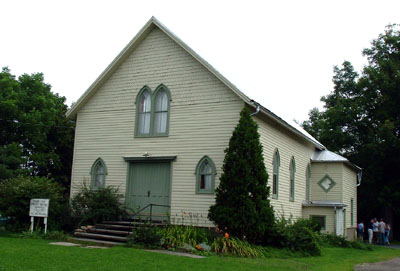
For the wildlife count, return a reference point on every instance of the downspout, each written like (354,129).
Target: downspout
(334,221)
(257,108)
(359,176)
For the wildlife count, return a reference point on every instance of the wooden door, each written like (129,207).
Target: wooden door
(149,183)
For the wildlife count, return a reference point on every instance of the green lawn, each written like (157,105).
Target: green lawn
(29,254)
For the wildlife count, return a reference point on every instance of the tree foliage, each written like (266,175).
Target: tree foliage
(35,137)
(361,120)
(16,194)
(242,206)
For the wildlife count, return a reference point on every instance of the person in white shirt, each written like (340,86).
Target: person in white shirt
(376,231)
(382,230)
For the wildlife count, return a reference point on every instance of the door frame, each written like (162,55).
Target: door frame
(153,159)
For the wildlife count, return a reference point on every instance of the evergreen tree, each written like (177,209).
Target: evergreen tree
(242,207)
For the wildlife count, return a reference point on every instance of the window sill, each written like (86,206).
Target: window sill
(207,192)
(151,136)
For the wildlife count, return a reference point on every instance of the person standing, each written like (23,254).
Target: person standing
(370,227)
(382,231)
(360,231)
(376,231)
(387,234)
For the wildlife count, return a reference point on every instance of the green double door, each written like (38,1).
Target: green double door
(149,183)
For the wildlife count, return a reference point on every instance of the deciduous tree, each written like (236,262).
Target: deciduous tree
(361,120)
(35,137)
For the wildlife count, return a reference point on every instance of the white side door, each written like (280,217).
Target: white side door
(339,221)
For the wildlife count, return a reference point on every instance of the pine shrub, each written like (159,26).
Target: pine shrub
(242,207)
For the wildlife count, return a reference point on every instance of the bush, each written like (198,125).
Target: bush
(300,236)
(15,196)
(145,235)
(339,241)
(90,206)
(176,236)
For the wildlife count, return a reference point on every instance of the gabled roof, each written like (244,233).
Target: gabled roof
(133,44)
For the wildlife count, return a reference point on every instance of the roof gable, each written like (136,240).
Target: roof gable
(134,43)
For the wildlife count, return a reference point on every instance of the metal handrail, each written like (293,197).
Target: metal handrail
(151,209)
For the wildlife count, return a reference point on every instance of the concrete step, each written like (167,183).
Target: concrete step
(109,243)
(109,232)
(114,227)
(96,236)
(122,223)
(133,222)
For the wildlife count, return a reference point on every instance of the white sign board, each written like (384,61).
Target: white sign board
(39,207)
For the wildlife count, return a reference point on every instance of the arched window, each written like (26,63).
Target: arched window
(161,111)
(275,178)
(292,169)
(308,182)
(98,173)
(205,176)
(152,112)
(144,112)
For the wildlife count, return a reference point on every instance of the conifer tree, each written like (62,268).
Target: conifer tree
(242,207)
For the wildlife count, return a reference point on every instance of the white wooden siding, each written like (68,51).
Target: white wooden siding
(273,136)
(335,171)
(203,114)
(350,192)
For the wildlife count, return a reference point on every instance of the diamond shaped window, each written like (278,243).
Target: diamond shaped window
(326,183)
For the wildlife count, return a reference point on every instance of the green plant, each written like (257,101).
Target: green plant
(242,206)
(15,196)
(90,206)
(50,235)
(334,240)
(234,246)
(56,235)
(145,235)
(300,236)
(176,236)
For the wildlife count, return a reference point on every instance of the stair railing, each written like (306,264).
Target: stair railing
(151,209)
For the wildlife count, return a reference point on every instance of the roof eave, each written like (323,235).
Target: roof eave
(355,167)
(72,112)
(278,119)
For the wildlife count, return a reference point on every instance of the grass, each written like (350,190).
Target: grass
(34,254)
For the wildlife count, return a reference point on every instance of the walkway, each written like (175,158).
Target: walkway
(391,265)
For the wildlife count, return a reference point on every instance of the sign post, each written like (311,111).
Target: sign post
(39,208)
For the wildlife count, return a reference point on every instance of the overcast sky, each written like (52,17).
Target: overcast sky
(280,53)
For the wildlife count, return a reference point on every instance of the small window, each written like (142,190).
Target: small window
(205,176)
(308,181)
(98,173)
(320,219)
(292,170)
(161,112)
(352,212)
(326,183)
(275,178)
(144,113)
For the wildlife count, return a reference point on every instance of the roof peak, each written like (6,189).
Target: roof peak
(132,45)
